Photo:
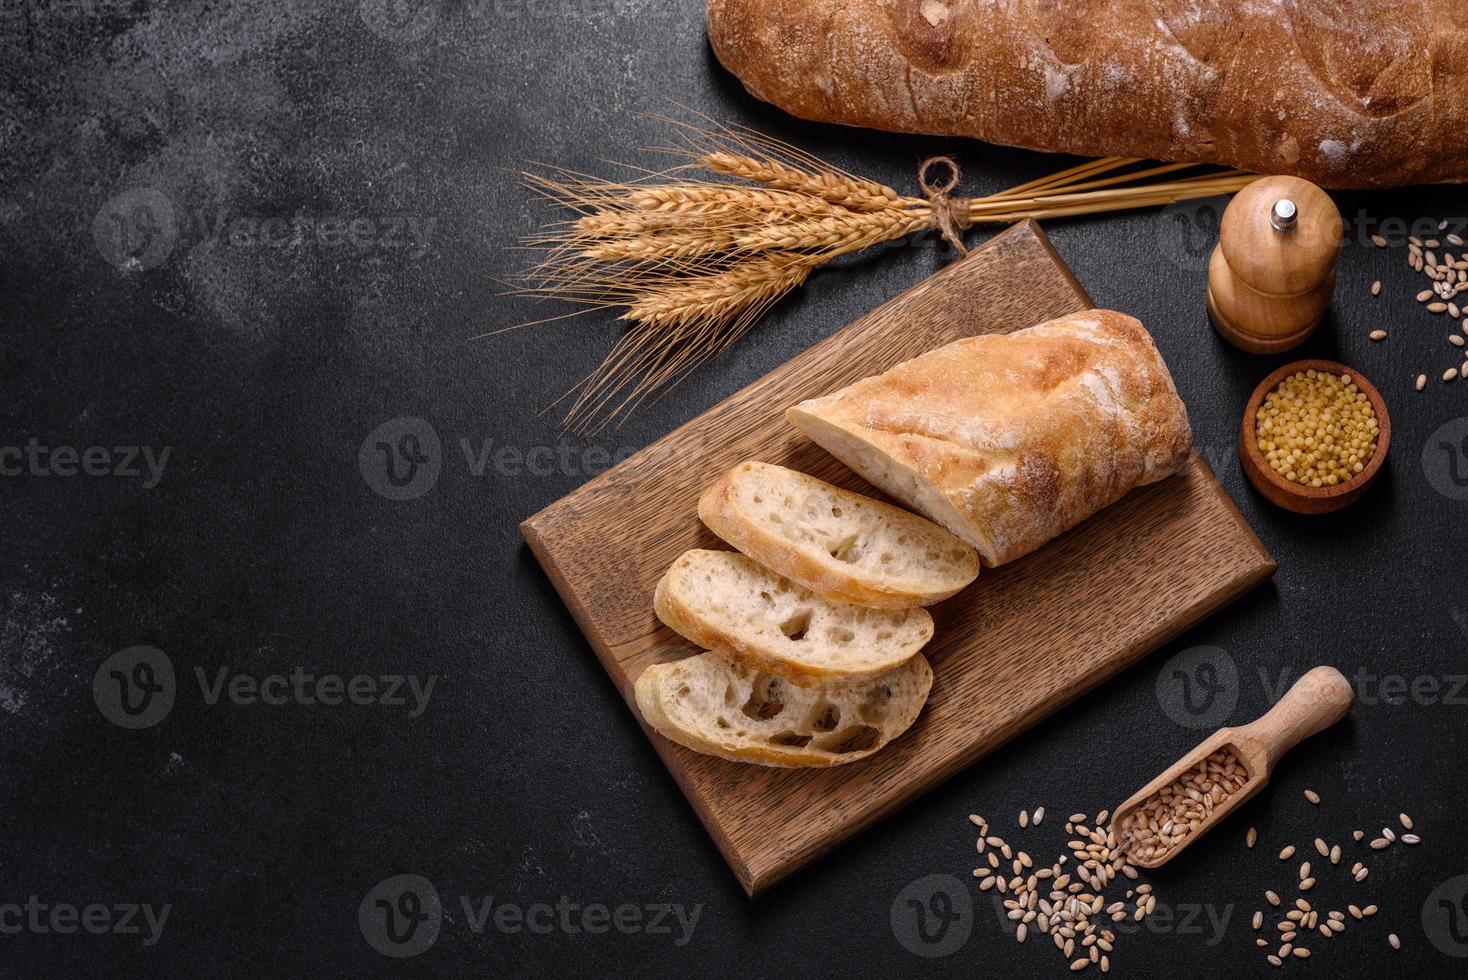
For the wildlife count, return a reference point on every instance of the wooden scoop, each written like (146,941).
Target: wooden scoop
(1319,699)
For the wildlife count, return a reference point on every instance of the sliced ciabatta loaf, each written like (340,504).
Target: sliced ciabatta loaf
(726,602)
(718,707)
(839,544)
(1008,440)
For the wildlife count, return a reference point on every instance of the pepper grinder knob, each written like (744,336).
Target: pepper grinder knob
(1282,215)
(1273,273)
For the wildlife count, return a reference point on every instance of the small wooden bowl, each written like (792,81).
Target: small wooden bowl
(1294,496)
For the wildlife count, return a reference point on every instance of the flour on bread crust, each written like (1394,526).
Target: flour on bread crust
(1347,93)
(1008,440)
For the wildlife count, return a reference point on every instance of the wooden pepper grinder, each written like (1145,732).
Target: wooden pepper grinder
(1273,272)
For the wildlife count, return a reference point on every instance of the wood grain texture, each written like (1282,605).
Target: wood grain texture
(1023,641)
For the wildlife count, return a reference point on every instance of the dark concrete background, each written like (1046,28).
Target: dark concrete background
(262,368)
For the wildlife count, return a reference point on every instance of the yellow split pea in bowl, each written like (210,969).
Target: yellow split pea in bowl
(1314,436)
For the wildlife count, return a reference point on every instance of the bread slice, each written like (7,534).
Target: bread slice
(839,544)
(731,604)
(718,707)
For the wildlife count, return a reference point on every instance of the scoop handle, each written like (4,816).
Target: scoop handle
(1314,702)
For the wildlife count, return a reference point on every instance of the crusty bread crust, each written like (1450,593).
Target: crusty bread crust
(820,572)
(670,602)
(1347,93)
(700,732)
(1008,440)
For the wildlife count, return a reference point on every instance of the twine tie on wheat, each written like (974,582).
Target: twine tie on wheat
(951,213)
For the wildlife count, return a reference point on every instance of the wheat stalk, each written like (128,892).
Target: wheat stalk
(695,262)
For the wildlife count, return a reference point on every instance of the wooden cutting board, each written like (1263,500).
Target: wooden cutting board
(1025,640)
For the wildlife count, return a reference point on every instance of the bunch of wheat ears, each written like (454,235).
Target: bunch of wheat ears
(695,261)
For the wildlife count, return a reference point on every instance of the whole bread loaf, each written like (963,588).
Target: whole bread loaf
(1008,440)
(1347,93)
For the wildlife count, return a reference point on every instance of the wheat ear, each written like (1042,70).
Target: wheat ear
(694,261)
